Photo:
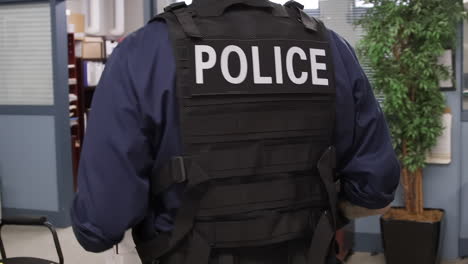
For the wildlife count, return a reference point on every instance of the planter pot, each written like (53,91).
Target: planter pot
(411,241)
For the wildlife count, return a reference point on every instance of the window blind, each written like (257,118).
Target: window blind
(26,74)
(341,16)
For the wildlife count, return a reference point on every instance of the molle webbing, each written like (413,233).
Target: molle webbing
(256,93)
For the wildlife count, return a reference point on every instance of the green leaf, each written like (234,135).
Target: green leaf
(402,43)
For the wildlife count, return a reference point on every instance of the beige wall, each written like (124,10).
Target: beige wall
(134,13)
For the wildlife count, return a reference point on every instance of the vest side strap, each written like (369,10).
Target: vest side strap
(321,241)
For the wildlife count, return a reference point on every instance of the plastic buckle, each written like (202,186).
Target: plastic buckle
(175,6)
(294,4)
(178,170)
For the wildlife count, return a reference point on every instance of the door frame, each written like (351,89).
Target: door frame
(59,110)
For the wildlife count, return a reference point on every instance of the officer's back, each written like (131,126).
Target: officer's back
(255,96)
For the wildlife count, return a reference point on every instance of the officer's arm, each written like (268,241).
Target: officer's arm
(113,191)
(351,211)
(367,163)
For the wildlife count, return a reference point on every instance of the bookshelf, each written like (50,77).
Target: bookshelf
(81,93)
(76,105)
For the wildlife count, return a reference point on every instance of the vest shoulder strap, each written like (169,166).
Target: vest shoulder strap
(310,23)
(182,14)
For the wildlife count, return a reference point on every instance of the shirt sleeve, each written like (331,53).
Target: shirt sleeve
(113,186)
(367,163)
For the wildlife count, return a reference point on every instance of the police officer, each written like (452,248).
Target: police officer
(219,133)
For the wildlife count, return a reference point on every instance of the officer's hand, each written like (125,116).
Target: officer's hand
(352,211)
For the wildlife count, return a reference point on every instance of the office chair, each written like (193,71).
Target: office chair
(24,221)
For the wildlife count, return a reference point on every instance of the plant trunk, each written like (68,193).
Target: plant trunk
(413,186)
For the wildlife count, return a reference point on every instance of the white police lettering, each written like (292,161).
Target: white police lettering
(290,65)
(295,60)
(203,65)
(225,64)
(258,79)
(317,66)
(278,66)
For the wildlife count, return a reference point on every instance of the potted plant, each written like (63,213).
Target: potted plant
(402,44)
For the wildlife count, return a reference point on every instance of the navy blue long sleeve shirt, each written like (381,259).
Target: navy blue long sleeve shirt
(133,126)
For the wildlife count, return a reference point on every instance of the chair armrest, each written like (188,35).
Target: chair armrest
(24,221)
(31,221)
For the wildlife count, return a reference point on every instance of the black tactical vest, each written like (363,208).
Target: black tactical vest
(256,93)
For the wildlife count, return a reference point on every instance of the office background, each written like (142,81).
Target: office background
(36,167)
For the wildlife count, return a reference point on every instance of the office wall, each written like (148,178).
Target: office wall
(27,173)
(75,6)
(134,15)
(160,4)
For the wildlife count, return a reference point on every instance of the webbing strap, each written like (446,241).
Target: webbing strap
(198,184)
(241,198)
(326,167)
(284,189)
(175,6)
(266,157)
(185,18)
(268,228)
(307,21)
(163,178)
(322,239)
(153,249)
(199,250)
(246,119)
